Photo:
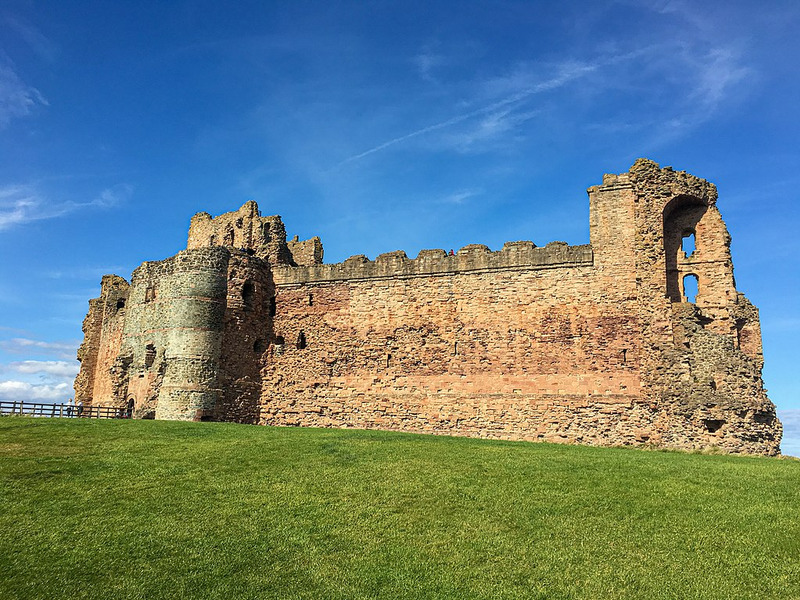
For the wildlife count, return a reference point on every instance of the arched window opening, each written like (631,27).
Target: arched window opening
(681,217)
(149,355)
(229,238)
(258,346)
(248,293)
(265,233)
(212,241)
(455,348)
(120,303)
(388,360)
(150,294)
(624,356)
(688,243)
(273,307)
(301,341)
(690,288)
(279,344)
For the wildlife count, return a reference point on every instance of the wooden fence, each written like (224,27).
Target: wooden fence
(67,411)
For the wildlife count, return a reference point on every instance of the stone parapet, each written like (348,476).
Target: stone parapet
(472,258)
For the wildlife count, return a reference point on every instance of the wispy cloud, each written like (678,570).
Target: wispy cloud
(20,204)
(427,61)
(716,73)
(493,126)
(87,272)
(567,73)
(28,346)
(676,82)
(460,196)
(31,35)
(17,98)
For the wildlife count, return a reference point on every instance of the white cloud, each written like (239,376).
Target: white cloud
(17,99)
(56,368)
(24,391)
(20,204)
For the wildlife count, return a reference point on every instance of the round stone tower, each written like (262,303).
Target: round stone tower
(194,295)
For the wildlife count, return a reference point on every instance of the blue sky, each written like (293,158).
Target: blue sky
(379,126)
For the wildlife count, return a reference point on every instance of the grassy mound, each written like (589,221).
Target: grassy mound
(149,509)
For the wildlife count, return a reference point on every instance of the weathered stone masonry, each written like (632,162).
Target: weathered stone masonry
(595,344)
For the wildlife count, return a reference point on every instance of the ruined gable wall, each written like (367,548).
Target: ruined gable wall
(88,350)
(102,341)
(707,387)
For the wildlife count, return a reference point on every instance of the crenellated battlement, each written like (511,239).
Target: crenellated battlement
(469,259)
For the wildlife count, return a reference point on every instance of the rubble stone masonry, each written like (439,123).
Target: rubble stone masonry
(595,344)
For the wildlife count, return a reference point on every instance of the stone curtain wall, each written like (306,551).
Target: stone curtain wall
(590,344)
(513,353)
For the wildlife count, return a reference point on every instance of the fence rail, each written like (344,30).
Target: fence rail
(67,411)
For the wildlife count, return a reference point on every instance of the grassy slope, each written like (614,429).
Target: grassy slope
(148,509)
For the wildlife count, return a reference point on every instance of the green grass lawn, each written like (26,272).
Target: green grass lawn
(152,509)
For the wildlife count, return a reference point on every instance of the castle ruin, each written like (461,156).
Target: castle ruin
(594,344)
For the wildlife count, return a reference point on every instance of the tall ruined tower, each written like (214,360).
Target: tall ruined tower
(597,344)
(658,230)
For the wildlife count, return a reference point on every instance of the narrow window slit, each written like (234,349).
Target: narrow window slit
(248,293)
(149,355)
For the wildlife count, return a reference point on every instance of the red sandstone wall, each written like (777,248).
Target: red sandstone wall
(102,342)
(512,353)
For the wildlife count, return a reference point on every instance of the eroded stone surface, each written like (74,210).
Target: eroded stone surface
(594,344)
